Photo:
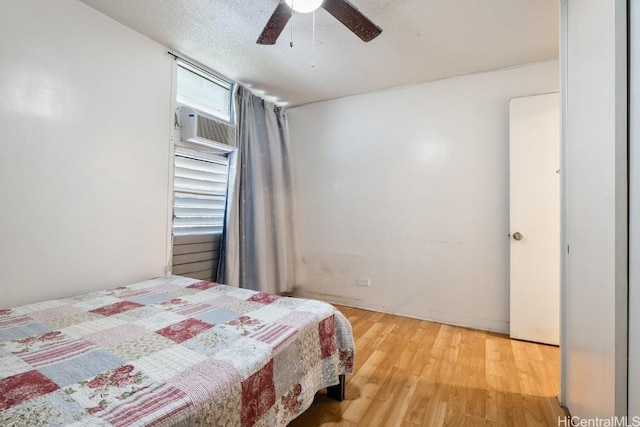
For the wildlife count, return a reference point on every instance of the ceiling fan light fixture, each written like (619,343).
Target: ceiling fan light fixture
(304,6)
(342,10)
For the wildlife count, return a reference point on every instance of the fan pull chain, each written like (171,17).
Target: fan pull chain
(313,41)
(291,27)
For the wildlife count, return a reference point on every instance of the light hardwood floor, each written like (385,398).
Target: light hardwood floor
(416,373)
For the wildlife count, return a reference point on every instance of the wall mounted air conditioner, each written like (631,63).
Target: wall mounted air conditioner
(197,128)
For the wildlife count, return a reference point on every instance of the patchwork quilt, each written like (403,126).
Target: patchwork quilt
(169,351)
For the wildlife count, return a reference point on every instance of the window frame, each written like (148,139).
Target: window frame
(179,147)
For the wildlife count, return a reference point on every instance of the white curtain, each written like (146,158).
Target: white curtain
(259,244)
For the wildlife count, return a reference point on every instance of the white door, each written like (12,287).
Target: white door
(534,179)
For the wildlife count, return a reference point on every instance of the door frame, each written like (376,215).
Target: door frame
(564,246)
(587,341)
(633,385)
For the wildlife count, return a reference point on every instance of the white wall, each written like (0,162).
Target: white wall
(634,216)
(593,342)
(409,187)
(84,113)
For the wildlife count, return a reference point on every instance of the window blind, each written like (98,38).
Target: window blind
(200,198)
(200,195)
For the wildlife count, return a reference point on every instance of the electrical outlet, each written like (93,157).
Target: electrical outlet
(364,281)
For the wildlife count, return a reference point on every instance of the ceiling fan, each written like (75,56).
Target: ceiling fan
(342,10)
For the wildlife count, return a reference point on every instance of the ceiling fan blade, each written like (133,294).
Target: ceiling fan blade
(276,24)
(352,18)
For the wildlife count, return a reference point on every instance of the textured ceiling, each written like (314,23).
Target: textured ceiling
(422,40)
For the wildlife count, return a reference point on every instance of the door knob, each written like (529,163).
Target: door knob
(517,235)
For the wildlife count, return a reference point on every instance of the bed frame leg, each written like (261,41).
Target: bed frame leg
(336,392)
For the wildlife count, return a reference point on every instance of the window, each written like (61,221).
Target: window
(201,172)
(204,91)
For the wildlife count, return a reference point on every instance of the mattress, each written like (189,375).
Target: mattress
(169,351)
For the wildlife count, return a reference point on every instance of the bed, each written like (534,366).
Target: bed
(169,351)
